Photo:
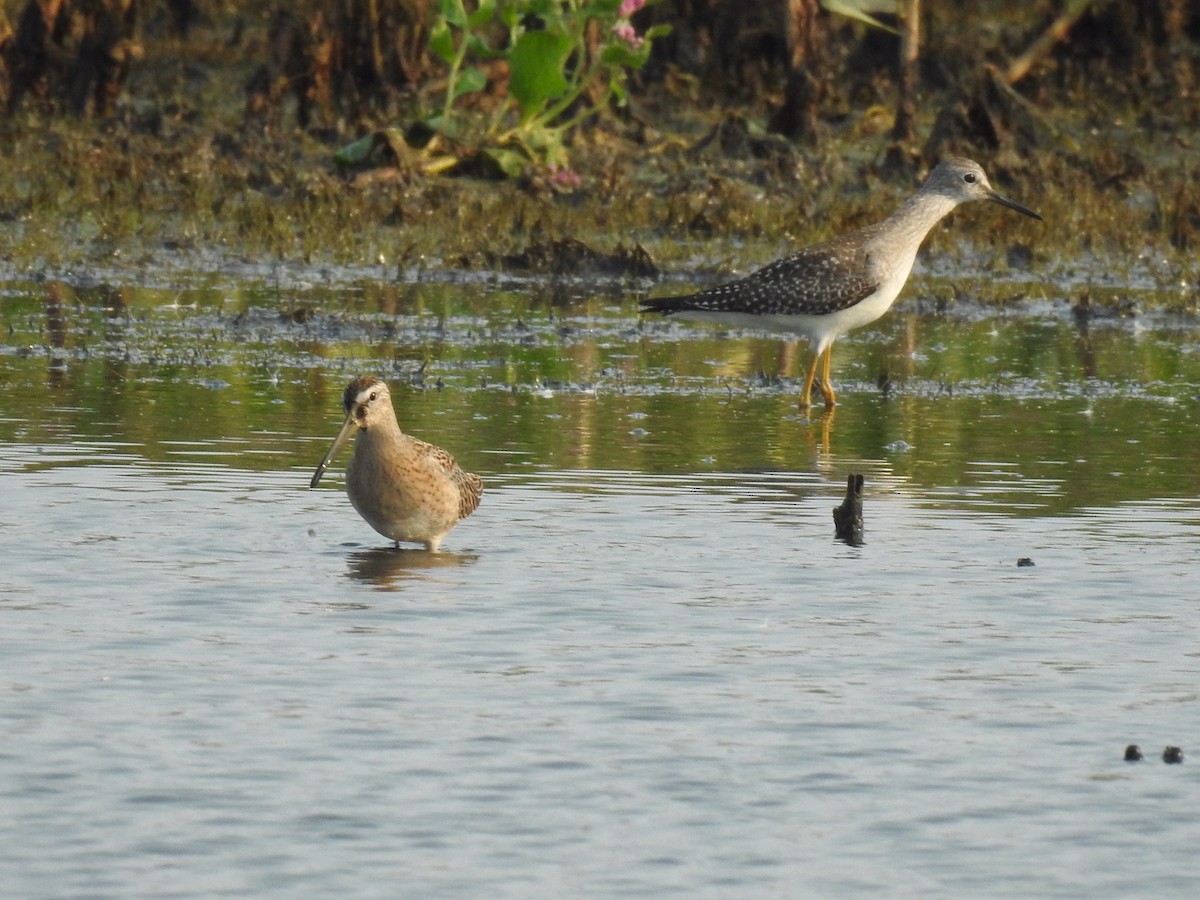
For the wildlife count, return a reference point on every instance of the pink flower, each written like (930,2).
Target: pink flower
(563,177)
(626,32)
(629,7)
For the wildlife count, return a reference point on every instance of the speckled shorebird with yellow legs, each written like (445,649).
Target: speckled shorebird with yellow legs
(406,489)
(829,288)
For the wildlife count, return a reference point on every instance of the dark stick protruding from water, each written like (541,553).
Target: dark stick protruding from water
(847,518)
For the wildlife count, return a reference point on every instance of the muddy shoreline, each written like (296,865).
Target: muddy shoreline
(681,186)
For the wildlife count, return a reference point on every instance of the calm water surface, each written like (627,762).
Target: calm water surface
(644,666)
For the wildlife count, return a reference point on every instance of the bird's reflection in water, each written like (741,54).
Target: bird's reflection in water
(389,568)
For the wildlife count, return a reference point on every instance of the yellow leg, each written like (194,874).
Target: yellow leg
(826,381)
(809,377)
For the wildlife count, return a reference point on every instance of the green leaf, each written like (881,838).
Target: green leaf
(470,81)
(512,163)
(510,15)
(619,55)
(541,140)
(355,153)
(370,149)
(483,15)
(442,125)
(536,69)
(452,11)
(441,41)
(548,10)
(601,9)
(477,46)
(862,9)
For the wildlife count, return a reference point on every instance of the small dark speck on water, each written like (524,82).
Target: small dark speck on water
(1133,753)
(1172,755)
(1018,256)
(1024,562)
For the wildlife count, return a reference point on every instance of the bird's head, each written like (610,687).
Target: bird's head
(365,400)
(963,180)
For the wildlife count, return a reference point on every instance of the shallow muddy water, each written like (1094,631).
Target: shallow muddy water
(645,665)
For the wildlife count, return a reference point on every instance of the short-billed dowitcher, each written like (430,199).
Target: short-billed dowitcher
(825,290)
(406,489)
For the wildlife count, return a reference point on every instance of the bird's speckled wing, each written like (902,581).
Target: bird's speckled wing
(819,280)
(470,491)
(470,487)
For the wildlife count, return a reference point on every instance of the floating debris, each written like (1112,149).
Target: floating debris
(1025,562)
(300,315)
(847,518)
(570,256)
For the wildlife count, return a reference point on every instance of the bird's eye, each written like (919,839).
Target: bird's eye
(969,178)
(373,395)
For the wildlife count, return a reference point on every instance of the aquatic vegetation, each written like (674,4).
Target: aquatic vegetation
(558,63)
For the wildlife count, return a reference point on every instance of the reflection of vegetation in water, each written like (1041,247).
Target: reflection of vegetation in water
(251,376)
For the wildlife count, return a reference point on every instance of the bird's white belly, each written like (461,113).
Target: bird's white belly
(862,313)
(826,329)
(821,330)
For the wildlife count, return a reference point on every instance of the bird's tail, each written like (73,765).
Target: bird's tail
(668,305)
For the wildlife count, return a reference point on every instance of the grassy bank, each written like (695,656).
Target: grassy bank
(176,179)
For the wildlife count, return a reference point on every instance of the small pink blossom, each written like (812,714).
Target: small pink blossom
(563,177)
(629,7)
(626,32)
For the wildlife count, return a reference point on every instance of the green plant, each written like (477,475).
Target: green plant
(565,60)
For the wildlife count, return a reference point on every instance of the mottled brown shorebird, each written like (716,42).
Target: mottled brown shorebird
(825,290)
(406,489)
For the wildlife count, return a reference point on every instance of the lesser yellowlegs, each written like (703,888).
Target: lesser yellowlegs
(825,290)
(406,489)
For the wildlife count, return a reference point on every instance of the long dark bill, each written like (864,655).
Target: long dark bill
(1013,204)
(344,435)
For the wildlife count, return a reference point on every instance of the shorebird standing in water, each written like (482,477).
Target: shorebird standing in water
(825,290)
(406,489)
